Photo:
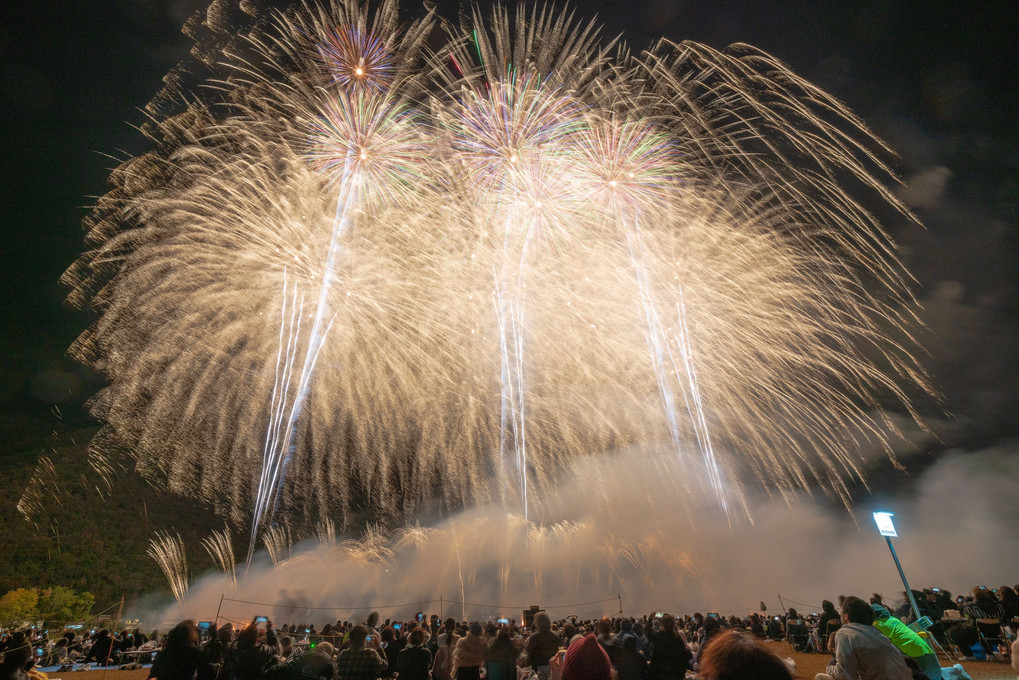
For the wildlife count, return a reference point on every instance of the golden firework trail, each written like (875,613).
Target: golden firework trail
(364,273)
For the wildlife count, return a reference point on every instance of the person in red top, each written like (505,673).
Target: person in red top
(584,660)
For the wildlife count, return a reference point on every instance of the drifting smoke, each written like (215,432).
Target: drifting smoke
(619,535)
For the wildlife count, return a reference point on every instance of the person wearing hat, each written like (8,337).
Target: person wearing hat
(584,660)
(908,642)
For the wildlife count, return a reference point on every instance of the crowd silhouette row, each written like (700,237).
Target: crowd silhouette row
(863,638)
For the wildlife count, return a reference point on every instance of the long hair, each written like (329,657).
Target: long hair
(737,656)
(181,636)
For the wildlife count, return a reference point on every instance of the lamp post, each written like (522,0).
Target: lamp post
(887,529)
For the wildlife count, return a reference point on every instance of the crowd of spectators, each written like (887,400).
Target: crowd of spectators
(864,639)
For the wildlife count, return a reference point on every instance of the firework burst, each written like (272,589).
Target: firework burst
(444,280)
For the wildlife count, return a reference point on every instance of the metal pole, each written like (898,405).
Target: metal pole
(218,609)
(902,574)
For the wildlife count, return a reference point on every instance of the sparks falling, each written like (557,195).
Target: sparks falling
(386,275)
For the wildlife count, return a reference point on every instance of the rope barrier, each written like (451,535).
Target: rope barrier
(416,604)
(522,607)
(345,609)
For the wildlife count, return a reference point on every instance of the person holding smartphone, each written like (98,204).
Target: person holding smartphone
(251,655)
(359,661)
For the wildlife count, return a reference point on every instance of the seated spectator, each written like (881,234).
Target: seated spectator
(796,631)
(17,658)
(985,605)
(828,622)
(861,650)
(735,655)
(908,642)
(756,626)
(314,664)
(1009,602)
(102,649)
(56,656)
(775,628)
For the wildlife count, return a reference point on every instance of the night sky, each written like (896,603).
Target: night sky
(937,80)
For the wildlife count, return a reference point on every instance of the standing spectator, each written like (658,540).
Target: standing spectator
(469,655)
(584,660)
(180,657)
(670,657)
(359,662)
(608,640)
(414,660)
(250,657)
(541,646)
(442,667)
(392,644)
(501,657)
(631,664)
(215,652)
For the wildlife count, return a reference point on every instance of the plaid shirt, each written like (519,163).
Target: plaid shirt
(360,664)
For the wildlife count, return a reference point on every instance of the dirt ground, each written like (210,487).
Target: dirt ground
(807,665)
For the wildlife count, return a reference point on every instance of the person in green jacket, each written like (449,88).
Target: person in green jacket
(908,642)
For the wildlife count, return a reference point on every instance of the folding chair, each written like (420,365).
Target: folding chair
(991,634)
(796,629)
(833,625)
(1012,628)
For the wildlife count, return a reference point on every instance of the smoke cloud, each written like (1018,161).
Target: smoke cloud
(616,536)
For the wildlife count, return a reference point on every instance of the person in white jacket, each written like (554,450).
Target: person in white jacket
(862,652)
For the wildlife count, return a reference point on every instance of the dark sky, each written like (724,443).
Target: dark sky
(935,79)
